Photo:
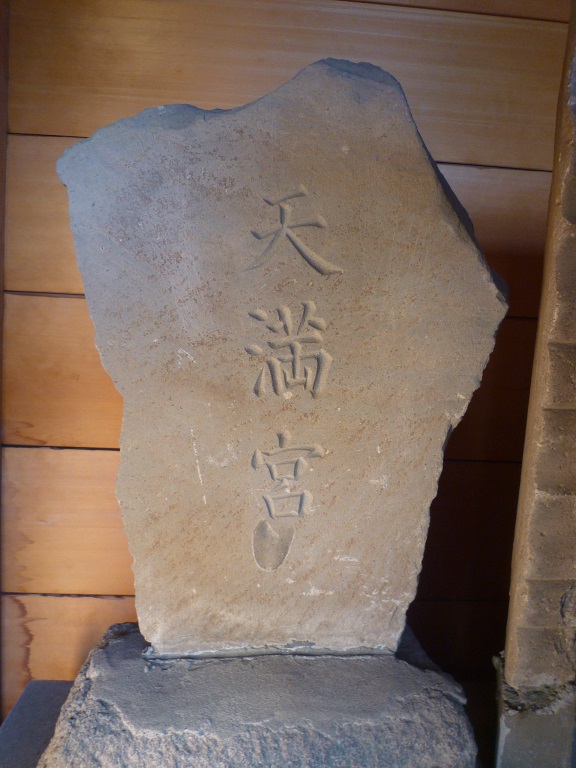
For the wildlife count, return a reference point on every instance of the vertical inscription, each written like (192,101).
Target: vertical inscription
(294,357)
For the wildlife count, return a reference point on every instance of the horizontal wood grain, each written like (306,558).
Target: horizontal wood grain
(508,208)
(469,544)
(552,10)
(494,425)
(62,532)
(4,24)
(461,637)
(39,245)
(483,89)
(61,527)
(57,393)
(48,638)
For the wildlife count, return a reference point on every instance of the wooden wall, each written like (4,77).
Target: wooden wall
(483,90)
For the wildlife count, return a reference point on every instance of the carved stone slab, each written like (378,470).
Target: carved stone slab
(296,317)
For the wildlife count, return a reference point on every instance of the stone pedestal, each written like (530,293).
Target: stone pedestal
(540,734)
(270,710)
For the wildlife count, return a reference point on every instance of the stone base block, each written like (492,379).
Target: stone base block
(542,736)
(270,710)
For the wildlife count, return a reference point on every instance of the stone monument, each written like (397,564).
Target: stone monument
(290,300)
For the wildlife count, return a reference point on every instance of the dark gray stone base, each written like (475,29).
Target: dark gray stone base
(27,730)
(542,736)
(258,711)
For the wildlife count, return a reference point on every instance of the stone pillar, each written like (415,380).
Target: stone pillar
(540,660)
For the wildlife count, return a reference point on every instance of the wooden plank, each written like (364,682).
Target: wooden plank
(508,208)
(461,637)
(479,92)
(3,132)
(55,389)
(494,424)
(61,527)
(4,20)
(39,245)
(4,24)
(57,393)
(550,10)
(48,638)
(471,525)
(62,532)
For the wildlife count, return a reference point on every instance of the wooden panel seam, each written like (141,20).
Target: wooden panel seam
(535,10)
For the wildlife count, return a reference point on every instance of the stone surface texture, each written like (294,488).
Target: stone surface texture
(541,637)
(289,299)
(271,710)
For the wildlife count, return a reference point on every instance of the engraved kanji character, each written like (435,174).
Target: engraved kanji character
(286,229)
(286,465)
(298,359)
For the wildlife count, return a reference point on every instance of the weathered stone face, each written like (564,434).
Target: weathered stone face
(296,317)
